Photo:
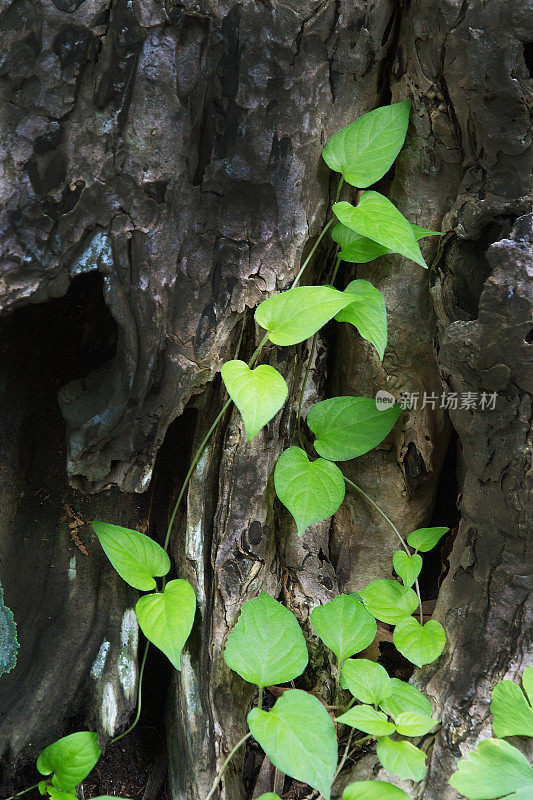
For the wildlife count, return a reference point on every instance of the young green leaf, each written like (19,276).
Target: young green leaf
(295,315)
(425,539)
(388,600)
(359,249)
(402,759)
(367,719)
(407,567)
(367,313)
(366,680)
(166,618)
(344,625)
(404,698)
(267,645)
(494,769)
(298,736)
(365,150)
(269,796)
(70,759)
(312,491)
(378,219)
(419,644)
(347,427)
(513,715)
(373,790)
(136,557)
(411,723)
(258,394)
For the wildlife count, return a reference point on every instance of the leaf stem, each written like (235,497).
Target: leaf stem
(313,250)
(225,765)
(18,794)
(379,510)
(357,744)
(396,531)
(260,698)
(337,265)
(304,384)
(344,756)
(139,695)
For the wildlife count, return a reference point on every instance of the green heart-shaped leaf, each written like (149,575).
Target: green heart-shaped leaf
(407,567)
(258,394)
(312,491)
(378,219)
(513,715)
(388,600)
(419,644)
(373,790)
(494,769)
(359,249)
(70,759)
(344,625)
(425,539)
(365,150)
(404,698)
(295,315)
(402,759)
(367,719)
(136,557)
(298,736)
(367,313)
(366,680)
(269,796)
(411,723)
(347,427)
(267,645)
(166,618)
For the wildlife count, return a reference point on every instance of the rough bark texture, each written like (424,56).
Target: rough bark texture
(174,149)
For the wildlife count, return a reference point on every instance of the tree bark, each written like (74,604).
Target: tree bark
(161,176)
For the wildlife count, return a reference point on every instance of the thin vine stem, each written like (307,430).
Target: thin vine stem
(396,531)
(336,269)
(225,765)
(304,384)
(200,450)
(321,235)
(344,756)
(18,794)
(183,488)
(139,696)
(357,745)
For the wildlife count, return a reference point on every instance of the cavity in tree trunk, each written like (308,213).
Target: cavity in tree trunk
(161,175)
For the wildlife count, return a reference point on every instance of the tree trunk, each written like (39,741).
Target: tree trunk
(161,175)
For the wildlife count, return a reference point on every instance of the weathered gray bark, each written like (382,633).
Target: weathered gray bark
(175,148)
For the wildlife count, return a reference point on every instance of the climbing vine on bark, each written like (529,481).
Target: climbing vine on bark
(266,646)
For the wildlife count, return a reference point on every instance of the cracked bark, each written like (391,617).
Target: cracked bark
(174,149)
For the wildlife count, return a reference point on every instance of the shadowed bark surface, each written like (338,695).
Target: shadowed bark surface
(161,175)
